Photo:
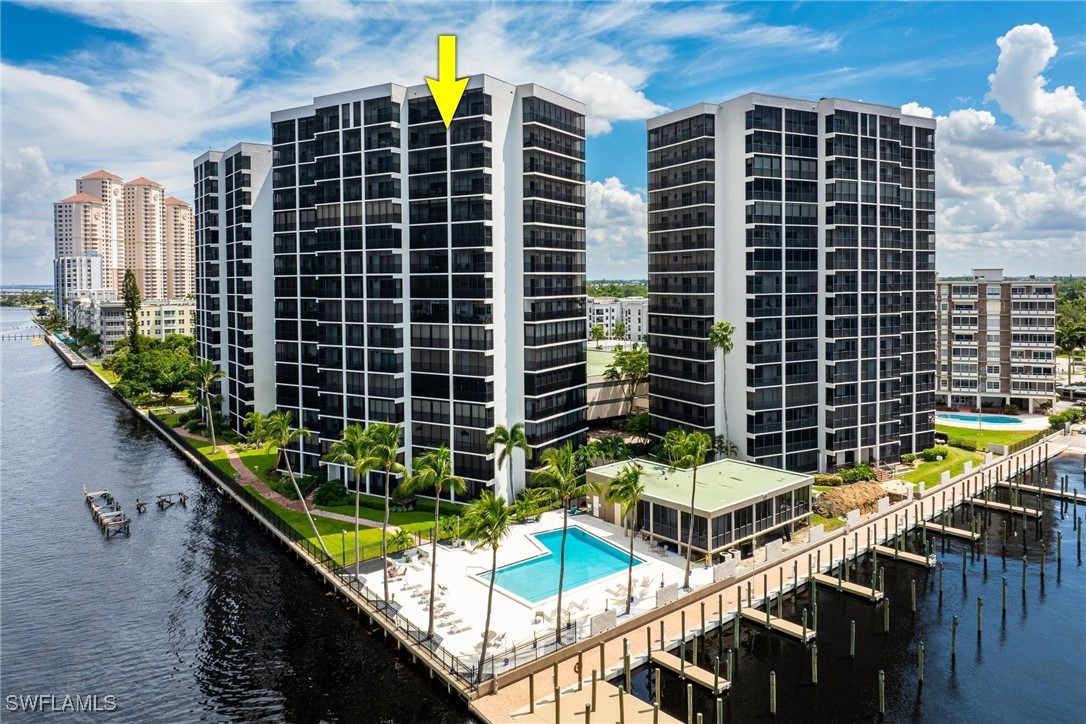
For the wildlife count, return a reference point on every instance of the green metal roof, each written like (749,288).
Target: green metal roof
(722,484)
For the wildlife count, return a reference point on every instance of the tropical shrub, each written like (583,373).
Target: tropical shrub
(962,444)
(932,454)
(831,480)
(859,473)
(331,494)
(908,458)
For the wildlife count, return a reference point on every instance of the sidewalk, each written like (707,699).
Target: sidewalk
(245,476)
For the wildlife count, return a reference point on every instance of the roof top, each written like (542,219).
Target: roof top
(722,484)
(141,181)
(80,198)
(174,201)
(102,174)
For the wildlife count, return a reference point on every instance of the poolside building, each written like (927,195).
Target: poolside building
(743,504)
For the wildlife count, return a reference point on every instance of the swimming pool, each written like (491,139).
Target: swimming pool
(588,558)
(973,417)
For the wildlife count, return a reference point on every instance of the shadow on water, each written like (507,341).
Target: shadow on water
(198,616)
(1029,662)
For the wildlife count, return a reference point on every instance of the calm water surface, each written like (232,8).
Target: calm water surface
(198,616)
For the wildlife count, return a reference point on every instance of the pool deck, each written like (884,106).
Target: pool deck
(1024,422)
(462,592)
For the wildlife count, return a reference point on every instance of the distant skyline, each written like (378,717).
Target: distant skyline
(140,89)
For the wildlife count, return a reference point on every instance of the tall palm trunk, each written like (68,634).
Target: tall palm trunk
(312,523)
(629,572)
(357,495)
(489,608)
(690,529)
(210,420)
(724,383)
(433,563)
(384,536)
(561,574)
(509,493)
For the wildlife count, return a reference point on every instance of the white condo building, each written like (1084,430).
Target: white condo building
(632,312)
(810,226)
(234,299)
(75,274)
(430,277)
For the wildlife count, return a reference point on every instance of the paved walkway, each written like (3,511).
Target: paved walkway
(248,477)
(722,599)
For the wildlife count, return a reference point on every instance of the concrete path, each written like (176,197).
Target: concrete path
(248,477)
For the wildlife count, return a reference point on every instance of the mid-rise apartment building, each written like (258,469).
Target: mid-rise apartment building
(235,318)
(632,312)
(428,276)
(997,341)
(809,225)
(130,225)
(104,314)
(73,274)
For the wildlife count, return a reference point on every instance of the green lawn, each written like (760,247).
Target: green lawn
(983,437)
(598,360)
(109,376)
(929,474)
(828,524)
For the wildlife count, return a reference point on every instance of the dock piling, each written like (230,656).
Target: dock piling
(690,704)
(912,590)
(953,637)
(531,694)
(659,686)
(814,664)
(773,692)
(882,692)
(595,675)
(1004,596)
(852,639)
(557,704)
(980,615)
(920,663)
(886,616)
(621,705)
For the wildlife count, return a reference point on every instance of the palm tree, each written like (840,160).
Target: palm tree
(689,450)
(598,334)
(505,442)
(720,337)
(204,374)
(255,422)
(434,471)
(620,330)
(626,490)
(488,521)
(281,435)
(400,541)
(385,440)
(351,450)
(560,479)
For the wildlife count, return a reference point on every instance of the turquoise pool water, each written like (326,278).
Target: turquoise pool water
(588,558)
(972,417)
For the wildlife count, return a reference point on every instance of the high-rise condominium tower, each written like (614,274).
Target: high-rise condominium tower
(810,226)
(234,298)
(131,226)
(431,277)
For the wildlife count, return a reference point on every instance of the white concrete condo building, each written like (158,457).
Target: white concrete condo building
(234,300)
(432,277)
(810,226)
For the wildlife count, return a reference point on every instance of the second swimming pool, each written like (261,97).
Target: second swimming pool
(588,558)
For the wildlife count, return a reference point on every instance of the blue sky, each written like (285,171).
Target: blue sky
(141,88)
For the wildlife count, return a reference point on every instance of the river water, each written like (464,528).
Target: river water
(197,616)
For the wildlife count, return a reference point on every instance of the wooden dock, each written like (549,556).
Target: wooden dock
(1006,508)
(871,594)
(572,702)
(904,556)
(779,625)
(948,531)
(689,671)
(1036,490)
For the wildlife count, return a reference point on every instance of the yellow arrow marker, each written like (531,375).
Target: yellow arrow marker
(447,89)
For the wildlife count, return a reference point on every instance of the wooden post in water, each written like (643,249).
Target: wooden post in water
(663,644)
(729,671)
(886,615)
(882,692)
(648,641)
(720,613)
(1004,596)
(656,713)
(1023,574)
(1059,550)
(658,690)
(703,618)
(965,568)
(912,589)
(626,663)
(920,663)
(803,619)
(773,692)
(814,663)
(852,639)
(980,615)
(953,637)
(940,582)
(719,710)
(1042,562)
(694,653)
(814,615)
(603,663)
(716,674)
(689,704)
(795,579)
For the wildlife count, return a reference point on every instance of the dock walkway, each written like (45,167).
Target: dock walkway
(871,594)
(696,674)
(779,625)
(1005,508)
(572,702)
(1037,490)
(905,556)
(948,531)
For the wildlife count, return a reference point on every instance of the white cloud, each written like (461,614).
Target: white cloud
(608,99)
(915,109)
(1014,193)
(617,231)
